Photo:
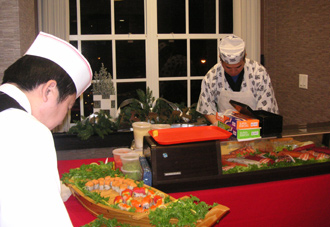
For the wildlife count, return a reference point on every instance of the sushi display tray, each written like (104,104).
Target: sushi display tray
(104,191)
(140,219)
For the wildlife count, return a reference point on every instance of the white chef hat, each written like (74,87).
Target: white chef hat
(232,49)
(66,56)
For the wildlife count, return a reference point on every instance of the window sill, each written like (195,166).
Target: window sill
(64,141)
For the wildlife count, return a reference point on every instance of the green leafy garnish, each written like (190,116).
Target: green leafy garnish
(80,176)
(101,221)
(187,211)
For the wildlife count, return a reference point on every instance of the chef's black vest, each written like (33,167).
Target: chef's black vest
(7,102)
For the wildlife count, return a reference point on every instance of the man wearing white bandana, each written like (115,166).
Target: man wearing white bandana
(37,92)
(236,78)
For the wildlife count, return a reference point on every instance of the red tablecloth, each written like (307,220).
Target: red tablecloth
(297,202)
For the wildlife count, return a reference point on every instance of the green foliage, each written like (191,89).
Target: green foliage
(91,172)
(100,125)
(163,111)
(187,211)
(145,108)
(101,221)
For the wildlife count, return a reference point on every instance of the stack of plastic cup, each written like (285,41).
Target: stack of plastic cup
(131,166)
(117,153)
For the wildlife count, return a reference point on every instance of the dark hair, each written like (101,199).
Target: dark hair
(29,72)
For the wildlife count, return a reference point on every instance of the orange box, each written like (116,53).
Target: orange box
(238,120)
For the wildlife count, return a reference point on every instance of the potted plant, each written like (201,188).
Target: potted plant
(148,108)
(104,95)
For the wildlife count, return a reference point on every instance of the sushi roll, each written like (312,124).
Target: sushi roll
(118,199)
(115,186)
(107,184)
(157,204)
(89,185)
(135,203)
(101,184)
(122,188)
(127,192)
(151,193)
(107,178)
(96,184)
(119,179)
(127,181)
(124,206)
(127,198)
(146,202)
(132,185)
(158,199)
(139,192)
(112,180)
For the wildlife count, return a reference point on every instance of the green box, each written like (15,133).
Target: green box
(246,134)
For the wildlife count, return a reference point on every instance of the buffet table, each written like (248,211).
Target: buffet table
(295,202)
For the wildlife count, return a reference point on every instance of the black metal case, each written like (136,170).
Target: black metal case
(185,166)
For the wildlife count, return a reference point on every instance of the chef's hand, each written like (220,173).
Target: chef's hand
(215,123)
(212,119)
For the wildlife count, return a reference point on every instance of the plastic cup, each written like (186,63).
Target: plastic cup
(138,151)
(140,129)
(131,161)
(160,126)
(117,153)
(133,174)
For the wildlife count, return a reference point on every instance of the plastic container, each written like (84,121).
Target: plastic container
(131,161)
(133,174)
(138,151)
(117,153)
(140,129)
(160,126)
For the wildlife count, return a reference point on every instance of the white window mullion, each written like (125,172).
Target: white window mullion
(113,39)
(188,74)
(81,98)
(188,54)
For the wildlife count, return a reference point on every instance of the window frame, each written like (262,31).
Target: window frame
(246,24)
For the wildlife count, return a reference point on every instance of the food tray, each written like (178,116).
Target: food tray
(140,219)
(189,134)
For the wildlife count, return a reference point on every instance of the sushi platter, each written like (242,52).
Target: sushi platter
(118,201)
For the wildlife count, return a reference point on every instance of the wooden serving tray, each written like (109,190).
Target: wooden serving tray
(139,219)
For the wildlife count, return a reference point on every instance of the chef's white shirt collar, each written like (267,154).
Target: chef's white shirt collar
(16,94)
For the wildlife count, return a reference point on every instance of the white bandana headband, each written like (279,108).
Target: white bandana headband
(232,49)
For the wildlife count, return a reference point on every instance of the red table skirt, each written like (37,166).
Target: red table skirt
(297,202)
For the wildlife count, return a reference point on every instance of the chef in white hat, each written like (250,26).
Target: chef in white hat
(36,93)
(236,78)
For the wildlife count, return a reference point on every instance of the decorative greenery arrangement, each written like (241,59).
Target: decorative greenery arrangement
(103,84)
(188,211)
(101,221)
(145,108)
(99,124)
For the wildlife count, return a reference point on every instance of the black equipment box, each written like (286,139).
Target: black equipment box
(186,166)
(271,124)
